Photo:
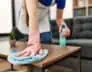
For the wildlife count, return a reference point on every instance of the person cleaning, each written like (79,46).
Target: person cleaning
(34,21)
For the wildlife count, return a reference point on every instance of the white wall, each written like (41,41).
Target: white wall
(68,12)
(5,16)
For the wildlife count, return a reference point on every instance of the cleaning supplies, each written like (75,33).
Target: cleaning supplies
(12,58)
(62,39)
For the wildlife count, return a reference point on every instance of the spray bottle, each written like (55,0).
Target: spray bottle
(62,39)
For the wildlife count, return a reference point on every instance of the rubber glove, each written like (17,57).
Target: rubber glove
(33,45)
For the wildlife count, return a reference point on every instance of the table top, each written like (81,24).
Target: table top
(55,53)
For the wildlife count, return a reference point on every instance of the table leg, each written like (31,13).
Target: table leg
(35,69)
(43,70)
(11,67)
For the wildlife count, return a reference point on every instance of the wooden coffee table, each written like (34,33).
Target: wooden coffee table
(56,54)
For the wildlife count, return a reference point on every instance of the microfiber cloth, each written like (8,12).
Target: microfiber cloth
(28,59)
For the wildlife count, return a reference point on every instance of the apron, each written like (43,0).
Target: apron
(43,18)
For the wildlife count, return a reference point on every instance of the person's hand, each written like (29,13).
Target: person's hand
(33,45)
(30,50)
(67,31)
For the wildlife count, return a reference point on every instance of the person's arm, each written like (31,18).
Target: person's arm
(25,13)
(34,34)
(59,12)
(32,13)
(59,18)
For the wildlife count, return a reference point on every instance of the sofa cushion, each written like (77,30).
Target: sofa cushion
(85,44)
(75,41)
(82,27)
(86,65)
(71,63)
(80,41)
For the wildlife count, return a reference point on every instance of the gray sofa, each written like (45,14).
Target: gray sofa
(81,35)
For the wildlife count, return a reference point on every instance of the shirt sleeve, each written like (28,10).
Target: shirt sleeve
(60,4)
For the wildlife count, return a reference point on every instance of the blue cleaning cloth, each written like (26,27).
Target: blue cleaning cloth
(28,59)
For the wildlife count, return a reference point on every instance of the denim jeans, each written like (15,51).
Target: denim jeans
(45,37)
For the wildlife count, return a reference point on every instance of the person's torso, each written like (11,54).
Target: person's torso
(43,14)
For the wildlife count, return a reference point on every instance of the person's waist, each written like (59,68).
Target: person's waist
(45,2)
